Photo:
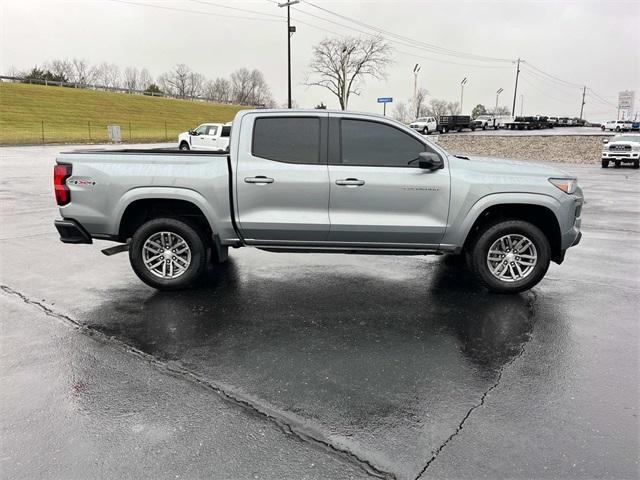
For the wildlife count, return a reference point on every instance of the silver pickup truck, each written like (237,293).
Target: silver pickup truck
(318,182)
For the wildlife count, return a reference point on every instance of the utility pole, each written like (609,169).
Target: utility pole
(462,84)
(521,104)
(515,90)
(498,92)
(584,92)
(416,69)
(290,31)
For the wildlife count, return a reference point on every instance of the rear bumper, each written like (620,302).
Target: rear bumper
(71,231)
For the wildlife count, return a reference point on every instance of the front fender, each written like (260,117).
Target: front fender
(460,222)
(164,193)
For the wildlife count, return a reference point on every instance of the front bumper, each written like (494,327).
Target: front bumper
(627,156)
(71,231)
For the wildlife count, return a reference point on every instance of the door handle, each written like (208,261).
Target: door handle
(260,179)
(350,182)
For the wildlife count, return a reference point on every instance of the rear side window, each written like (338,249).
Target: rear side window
(378,144)
(212,131)
(226,131)
(287,139)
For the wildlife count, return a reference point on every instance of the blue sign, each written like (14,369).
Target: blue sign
(385,100)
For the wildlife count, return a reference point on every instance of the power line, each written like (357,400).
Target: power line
(428,46)
(198,12)
(220,5)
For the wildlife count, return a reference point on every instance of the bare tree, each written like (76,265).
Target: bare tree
(61,68)
(453,108)
(401,113)
(81,72)
(144,79)
(107,74)
(250,88)
(500,111)
(420,105)
(176,82)
(131,78)
(218,90)
(195,84)
(437,107)
(341,64)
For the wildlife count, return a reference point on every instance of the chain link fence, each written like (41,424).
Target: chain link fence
(81,131)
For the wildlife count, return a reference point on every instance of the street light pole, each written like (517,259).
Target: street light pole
(462,84)
(498,92)
(290,31)
(416,69)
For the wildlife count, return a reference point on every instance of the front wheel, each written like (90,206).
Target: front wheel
(184,146)
(425,131)
(510,256)
(605,163)
(602,128)
(168,254)
(636,164)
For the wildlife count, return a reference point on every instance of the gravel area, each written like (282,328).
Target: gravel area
(556,148)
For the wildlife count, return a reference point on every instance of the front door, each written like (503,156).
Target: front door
(282,180)
(379,196)
(198,139)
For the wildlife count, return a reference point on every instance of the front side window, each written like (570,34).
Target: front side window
(287,139)
(377,144)
(201,130)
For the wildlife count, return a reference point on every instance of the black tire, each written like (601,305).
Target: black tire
(617,129)
(479,249)
(484,127)
(605,163)
(616,164)
(602,128)
(636,164)
(191,235)
(425,131)
(184,146)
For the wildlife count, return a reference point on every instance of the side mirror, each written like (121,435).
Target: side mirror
(191,132)
(430,161)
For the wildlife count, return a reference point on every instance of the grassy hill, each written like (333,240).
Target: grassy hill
(44,114)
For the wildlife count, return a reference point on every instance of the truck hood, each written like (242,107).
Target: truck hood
(508,167)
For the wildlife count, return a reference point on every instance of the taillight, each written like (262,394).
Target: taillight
(61,172)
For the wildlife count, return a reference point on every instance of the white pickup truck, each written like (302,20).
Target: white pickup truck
(208,136)
(425,125)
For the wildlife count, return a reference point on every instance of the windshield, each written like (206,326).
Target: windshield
(422,119)
(627,138)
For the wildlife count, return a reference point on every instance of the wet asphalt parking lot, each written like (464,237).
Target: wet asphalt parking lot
(316,366)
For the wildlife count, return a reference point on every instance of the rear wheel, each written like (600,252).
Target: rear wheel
(184,146)
(168,254)
(510,256)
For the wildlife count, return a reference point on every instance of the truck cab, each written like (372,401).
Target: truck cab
(425,125)
(208,136)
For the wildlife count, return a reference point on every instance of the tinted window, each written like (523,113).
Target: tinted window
(287,139)
(226,131)
(372,143)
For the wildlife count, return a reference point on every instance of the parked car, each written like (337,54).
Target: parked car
(425,125)
(208,136)
(319,182)
(622,149)
(616,125)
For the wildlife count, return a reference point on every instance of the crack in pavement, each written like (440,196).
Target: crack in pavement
(531,305)
(287,423)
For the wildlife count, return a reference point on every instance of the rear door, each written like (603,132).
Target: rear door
(379,196)
(282,179)
(211,138)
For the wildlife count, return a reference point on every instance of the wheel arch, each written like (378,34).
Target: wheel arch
(140,205)
(539,215)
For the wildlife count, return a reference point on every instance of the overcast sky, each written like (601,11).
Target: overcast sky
(587,43)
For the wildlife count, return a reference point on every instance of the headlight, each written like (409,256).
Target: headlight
(567,185)
(635,148)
